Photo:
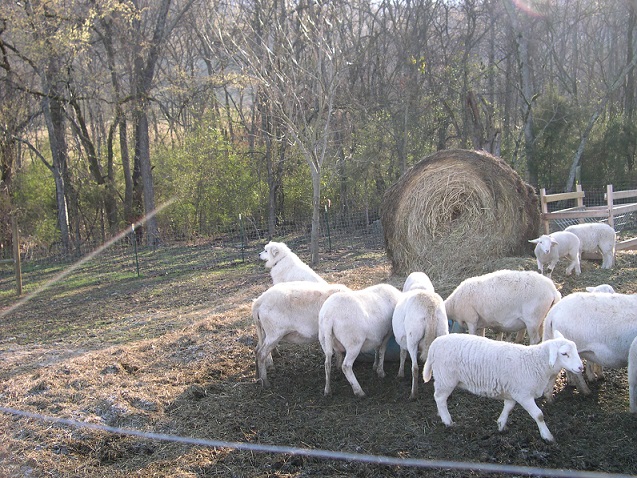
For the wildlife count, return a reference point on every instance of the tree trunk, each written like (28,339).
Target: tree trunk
(55,124)
(316,214)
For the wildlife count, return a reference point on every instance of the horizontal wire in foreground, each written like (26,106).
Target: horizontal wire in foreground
(322,454)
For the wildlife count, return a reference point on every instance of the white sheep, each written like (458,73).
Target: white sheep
(357,321)
(285,265)
(505,300)
(501,370)
(288,312)
(602,325)
(418,280)
(596,237)
(550,248)
(418,319)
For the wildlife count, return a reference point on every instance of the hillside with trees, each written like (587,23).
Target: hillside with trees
(276,110)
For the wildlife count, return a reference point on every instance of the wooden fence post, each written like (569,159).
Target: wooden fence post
(609,202)
(545,209)
(16,254)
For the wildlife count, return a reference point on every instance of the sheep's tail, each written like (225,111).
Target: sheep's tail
(547,333)
(544,333)
(427,372)
(326,336)
(557,296)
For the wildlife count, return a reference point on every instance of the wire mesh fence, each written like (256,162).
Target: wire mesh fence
(227,244)
(241,239)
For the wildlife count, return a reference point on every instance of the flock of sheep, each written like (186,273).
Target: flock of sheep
(598,325)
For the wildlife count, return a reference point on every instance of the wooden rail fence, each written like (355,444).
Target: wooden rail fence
(607,212)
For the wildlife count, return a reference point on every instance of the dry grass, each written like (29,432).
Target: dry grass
(456,209)
(172,352)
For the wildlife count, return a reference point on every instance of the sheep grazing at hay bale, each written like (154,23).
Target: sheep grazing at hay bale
(454,211)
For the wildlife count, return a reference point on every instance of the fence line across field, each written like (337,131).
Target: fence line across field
(381,460)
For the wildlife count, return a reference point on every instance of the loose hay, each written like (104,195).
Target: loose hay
(456,209)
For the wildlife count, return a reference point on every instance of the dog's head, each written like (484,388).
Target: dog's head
(272,253)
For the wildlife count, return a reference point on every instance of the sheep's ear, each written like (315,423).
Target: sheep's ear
(553,241)
(534,241)
(553,354)
(557,334)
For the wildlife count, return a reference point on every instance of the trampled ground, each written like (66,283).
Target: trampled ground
(171,352)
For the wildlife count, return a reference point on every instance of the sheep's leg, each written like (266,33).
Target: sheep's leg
(574,265)
(403,357)
(339,358)
(441,394)
(548,391)
(328,371)
(607,259)
(262,353)
(530,406)
(348,362)
(504,416)
(326,339)
(380,354)
(519,337)
(593,371)
(598,370)
(413,354)
(579,381)
(534,335)
(414,380)
(551,267)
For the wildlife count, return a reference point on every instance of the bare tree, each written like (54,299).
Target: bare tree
(146,55)
(299,65)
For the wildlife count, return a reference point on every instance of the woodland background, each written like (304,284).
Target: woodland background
(262,114)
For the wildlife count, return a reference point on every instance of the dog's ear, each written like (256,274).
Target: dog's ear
(274,251)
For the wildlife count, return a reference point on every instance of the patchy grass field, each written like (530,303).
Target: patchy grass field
(171,352)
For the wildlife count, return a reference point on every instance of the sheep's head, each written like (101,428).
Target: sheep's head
(544,243)
(563,354)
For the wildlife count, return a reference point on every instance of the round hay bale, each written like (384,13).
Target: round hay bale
(455,210)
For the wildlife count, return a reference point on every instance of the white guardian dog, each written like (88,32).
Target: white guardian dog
(285,265)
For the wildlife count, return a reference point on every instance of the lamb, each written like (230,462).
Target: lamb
(355,321)
(601,288)
(285,265)
(505,300)
(602,325)
(418,319)
(501,370)
(288,312)
(418,280)
(596,237)
(551,248)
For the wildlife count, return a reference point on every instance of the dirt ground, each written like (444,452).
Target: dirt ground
(172,352)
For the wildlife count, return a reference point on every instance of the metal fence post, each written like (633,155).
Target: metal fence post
(134,239)
(327,225)
(243,245)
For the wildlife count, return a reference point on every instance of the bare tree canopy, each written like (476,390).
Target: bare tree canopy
(278,108)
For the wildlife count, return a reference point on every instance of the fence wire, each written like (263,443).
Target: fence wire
(380,460)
